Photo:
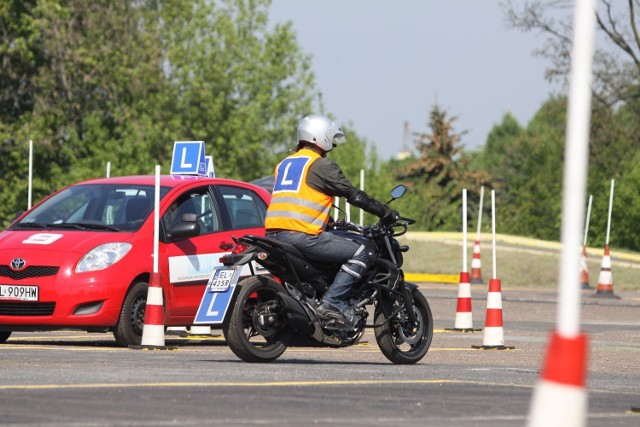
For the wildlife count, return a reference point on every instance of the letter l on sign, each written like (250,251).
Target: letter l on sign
(182,160)
(286,181)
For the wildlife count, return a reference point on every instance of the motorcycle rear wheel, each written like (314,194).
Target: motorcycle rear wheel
(250,341)
(399,341)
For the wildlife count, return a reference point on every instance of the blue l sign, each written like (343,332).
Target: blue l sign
(208,160)
(217,295)
(188,158)
(290,174)
(213,307)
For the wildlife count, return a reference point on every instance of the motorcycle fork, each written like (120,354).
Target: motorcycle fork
(408,303)
(396,280)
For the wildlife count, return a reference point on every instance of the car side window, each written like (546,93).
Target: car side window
(196,202)
(246,209)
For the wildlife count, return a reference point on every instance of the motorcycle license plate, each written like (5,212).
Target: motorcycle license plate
(221,279)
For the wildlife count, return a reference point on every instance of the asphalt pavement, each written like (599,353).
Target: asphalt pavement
(75,378)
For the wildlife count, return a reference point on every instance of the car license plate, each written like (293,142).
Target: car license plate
(18,293)
(221,280)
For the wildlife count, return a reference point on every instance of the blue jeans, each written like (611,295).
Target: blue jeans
(332,248)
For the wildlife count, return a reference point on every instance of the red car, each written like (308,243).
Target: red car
(81,258)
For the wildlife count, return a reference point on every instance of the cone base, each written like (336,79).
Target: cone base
(462,330)
(152,347)
(492,347)
(477,282)
(605,294)
(586,286)
(556,404)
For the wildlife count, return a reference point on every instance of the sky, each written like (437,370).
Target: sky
(379,63)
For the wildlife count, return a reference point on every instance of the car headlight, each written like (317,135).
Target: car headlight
(102,256)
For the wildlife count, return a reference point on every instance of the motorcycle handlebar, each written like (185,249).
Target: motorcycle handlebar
(398,221)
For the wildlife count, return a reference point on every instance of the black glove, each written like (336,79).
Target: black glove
(388,215)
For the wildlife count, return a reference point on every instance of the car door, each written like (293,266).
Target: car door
(190,261)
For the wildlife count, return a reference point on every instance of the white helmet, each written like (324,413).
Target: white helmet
(321,131)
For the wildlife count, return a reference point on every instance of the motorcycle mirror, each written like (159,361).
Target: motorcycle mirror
(397,192)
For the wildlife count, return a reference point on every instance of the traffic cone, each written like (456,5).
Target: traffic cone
(605,281)
(584,271)
(493,328)
(464,316)
(476,265)
(153,329)
(560,398)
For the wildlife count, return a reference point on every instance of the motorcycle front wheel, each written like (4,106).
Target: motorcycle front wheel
(399,340)
(254,331)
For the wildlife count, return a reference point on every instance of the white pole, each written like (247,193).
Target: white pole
(108,169)
(493,231)
(480,213)
(610,208)
(347,209)
(336,203)
(560,398)
(586,225)
(362,189)
(156,219)
(464,230)
(575,168)
(30,174)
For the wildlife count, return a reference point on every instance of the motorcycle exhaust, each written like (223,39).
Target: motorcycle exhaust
(294,314)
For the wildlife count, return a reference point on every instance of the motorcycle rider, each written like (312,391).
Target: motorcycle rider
(306,183)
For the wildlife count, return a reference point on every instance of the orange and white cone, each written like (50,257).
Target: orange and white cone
(493,327)
(153,329)
(464,316)
(560,398)
(584,271)
(476,265)
(605,280)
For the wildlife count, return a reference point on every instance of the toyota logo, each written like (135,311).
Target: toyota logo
(18,264)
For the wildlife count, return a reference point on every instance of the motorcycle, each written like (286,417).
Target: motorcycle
(274,307)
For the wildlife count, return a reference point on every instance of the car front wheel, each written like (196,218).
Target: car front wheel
(128,330)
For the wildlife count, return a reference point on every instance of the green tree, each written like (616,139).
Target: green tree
(526,168)
(21,58)
(120,81)
(439,175)
(241,88)
(616,62)
(625,214)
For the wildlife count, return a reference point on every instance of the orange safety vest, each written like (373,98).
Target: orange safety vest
(294,205)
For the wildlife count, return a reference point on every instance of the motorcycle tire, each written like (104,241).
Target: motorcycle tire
(248,340)
(399,341)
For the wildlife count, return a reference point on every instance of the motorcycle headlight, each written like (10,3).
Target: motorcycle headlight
(102,256)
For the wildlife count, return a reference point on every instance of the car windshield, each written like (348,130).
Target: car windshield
(102,207)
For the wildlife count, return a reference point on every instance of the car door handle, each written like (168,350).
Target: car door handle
(226,246)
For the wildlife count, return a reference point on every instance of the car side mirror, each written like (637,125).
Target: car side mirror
(188,226)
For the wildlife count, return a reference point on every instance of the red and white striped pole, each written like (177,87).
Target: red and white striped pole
(464,315)
(493,326)
(476,263)
(560,397)
(153,328)
(584,268)
(605,280)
